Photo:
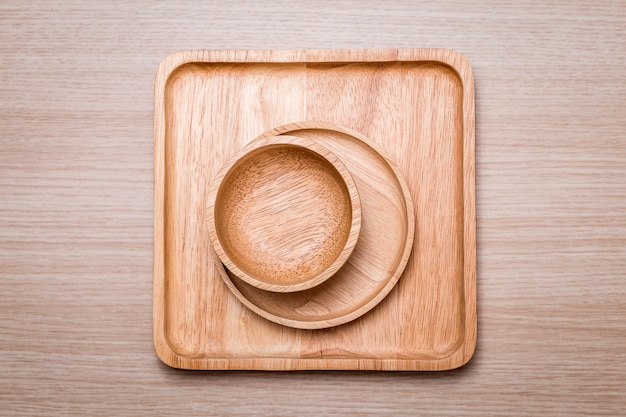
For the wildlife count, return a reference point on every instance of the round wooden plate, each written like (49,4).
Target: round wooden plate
(283,214)
(380,255)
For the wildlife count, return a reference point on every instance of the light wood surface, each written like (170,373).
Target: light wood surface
(76,195)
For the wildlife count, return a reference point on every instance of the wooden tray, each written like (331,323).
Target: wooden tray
(416,105)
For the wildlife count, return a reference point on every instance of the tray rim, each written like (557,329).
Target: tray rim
(454,60)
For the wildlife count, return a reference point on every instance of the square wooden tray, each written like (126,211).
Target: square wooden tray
(417,105)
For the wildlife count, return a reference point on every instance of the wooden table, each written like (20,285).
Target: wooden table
(76,114)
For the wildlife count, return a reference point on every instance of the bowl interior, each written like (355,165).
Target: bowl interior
(283,214)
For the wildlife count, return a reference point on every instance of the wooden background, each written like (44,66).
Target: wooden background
(76,141)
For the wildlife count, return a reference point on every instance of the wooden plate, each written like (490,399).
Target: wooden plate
(381,253)
(284,214)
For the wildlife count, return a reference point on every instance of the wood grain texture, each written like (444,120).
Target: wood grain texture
(76,105)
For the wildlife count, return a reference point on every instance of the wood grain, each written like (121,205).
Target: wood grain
(76,220)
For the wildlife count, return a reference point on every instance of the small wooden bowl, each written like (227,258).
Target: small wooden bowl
(284,214)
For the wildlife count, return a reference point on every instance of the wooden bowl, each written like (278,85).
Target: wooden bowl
(284,214)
